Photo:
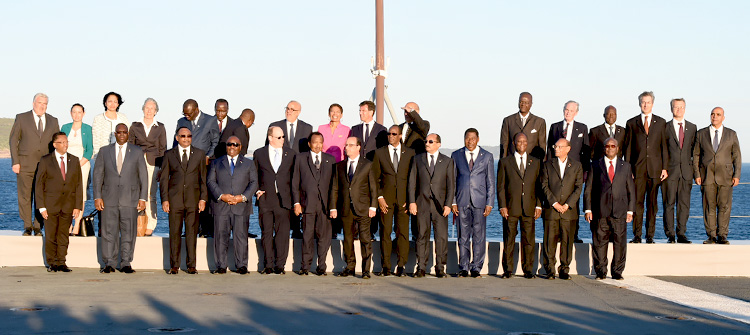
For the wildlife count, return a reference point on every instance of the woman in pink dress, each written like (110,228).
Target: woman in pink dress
(334,133)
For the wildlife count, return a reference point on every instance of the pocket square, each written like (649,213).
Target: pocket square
(580,135)
(533,131)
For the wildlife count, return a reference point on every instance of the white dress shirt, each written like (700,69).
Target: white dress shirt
(43,118)
(146,127)
(610,131)
(186,150)
(607,162)
(713,133)
(364,129)
(475,153)
(650,118)
(519,157)
(289,128)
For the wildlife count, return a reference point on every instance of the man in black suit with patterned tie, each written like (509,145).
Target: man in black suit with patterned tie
(676,188)
(608,129)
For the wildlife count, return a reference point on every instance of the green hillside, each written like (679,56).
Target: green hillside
(5,125)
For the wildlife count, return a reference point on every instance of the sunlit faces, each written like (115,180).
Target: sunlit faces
(678,109)
(61,144)
(521,143)
(470,140)
(76,113)
(112,104)
(394,136)
(610,115)
(40,105)
(221,108)
(610,148)
(335,113)
(524,103)
(149,110)
(121,134)
(292,111)
(352,148)
(562,147)
(365,114)
(233,146)
(276,139)
(184,137)
(717,117)
(647,103)
(570,111)
(432,143)
(408,108)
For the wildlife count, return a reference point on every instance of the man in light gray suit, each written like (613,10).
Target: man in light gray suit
(30,139)
(120,191)
(474,197)
(717,164)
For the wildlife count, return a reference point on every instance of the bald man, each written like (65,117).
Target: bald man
(236,127)
(717,164)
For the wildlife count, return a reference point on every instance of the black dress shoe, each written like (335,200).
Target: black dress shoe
(366,275)
(27,232)
(192,271)
(440,274)
(279,271)
(578,240)
(37,232)
(529,275)
(722,240)
(463,274)
(507,275)
(475,274)
(346,273)
(683,240)
(303,272)
(52,268)
(173,271)
(710,240)
(385,273)
(267,271)
(419,274)
(127,269)
(636,240)
(400,271)
(548,276)
(242,270)
(297,235)
(64,268)
(649,240)
(251,235)
(617,277)
(221,271)
(601,277)
(564,276)
(107,269)
(671,240)
(320,272)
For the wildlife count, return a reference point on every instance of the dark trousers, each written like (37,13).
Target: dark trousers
(206,223)
(402,235)
(352,224)
(554,231)
(336,227)
(716,197)
(295,224)
(676,191)
(56,237)
(119,224)
(25,185)
(601,230)
(274,236)
(510,230)
(176,217)
(236,225)
(472,232)
(646,188)
(315,226)
(431,220)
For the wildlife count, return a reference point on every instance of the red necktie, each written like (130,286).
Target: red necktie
(645,124)
(682,135)
(62,166)
(611,171)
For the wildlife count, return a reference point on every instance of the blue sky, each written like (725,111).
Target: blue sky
(464,64)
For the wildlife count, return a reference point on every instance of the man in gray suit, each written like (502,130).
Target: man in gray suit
(30,139)
(533,126)
(676,188)
(120,191)
(717,164)
(473,201)
(432,186)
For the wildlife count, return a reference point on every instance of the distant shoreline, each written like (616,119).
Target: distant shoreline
(4,153)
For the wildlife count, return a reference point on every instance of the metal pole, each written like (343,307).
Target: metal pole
(379,60)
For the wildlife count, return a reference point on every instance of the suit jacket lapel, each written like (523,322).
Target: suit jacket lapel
(722,140)
(556,166)
(516,163)
(462,159)
(67,168)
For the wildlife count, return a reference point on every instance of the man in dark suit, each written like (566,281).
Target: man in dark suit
(311,183)
(517,187)
(562,184)
(432,187)
(295,133)
(609,202)
(221,109)
(353,197)
(717,164)
(645,149)
(59,196)
(370,133)
(391,168)
(205,131)
(30,139)
(608,129)
(120,191)
(184,196)
(414,129)
(577,134)
(473,201)
(533,126)
(295,130)
(676,188)
(231,182)
(236,127)
(275,164)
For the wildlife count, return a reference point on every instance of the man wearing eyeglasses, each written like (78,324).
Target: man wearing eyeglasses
(562,184)
(184,196)
(275,164)
(391,166)
(295,133)
(432,186)
(236,127)
(59,196)
(609,202)
(120,190)
(231,182)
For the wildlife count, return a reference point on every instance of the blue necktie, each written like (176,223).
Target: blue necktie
(351,170)
(231,166)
